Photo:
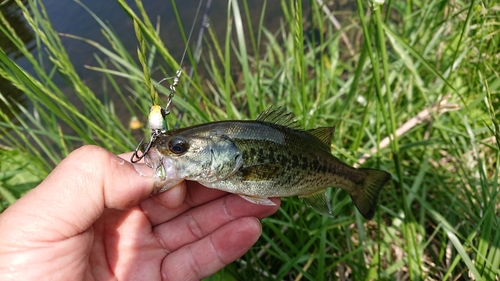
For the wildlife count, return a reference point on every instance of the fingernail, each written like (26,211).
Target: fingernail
(143,170)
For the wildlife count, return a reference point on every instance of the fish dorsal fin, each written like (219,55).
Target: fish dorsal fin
(279,116)
(319,202)
(324,134)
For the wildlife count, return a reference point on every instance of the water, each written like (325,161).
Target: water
(68,16)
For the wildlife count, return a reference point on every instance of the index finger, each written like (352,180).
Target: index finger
(158,211)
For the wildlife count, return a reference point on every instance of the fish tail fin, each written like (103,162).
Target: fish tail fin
(365,199)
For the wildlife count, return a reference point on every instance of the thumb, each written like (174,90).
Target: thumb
(74,195)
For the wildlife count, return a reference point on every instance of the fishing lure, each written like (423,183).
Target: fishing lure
(157,115)
(156,121)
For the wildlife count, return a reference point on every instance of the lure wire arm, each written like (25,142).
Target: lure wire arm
(173,90)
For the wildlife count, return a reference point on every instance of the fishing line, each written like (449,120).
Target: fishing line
(197,54)
(156,118)
(179,71)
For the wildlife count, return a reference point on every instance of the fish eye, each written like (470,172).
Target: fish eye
(178,145)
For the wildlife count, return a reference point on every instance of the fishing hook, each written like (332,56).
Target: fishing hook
(135,156)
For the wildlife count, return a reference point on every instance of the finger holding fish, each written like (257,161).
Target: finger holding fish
(171,199)
(157,207)
(202,220)
(211,253)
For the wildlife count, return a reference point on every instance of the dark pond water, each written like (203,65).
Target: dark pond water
(67,16)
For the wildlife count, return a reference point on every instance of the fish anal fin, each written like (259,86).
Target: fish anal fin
(261,172)
(324,134)
(365,199)
(319,201)
(258,200)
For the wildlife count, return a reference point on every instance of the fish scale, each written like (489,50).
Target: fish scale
(258,159)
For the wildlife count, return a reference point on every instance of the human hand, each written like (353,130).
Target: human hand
(92,219)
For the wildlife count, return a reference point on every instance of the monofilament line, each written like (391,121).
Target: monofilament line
(179,71)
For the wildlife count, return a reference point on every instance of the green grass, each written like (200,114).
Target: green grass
(439,217)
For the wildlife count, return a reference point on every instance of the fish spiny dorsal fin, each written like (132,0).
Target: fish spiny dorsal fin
(278,116)
(324,134)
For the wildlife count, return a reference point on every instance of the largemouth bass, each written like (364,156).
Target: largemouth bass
(267,157)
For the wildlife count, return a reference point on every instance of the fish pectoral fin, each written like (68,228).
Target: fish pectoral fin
(237,165)
(319,201)
(258,200)
(261,172)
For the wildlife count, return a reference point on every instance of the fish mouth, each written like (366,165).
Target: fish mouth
(165,173)
(166,176)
